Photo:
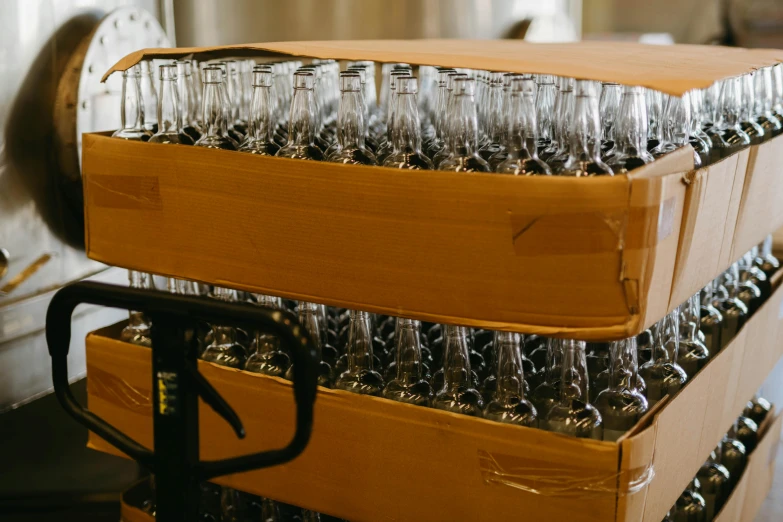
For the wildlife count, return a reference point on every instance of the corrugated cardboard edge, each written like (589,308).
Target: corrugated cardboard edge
(673,69)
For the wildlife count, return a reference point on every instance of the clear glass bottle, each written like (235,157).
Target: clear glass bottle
(762,83)
(458,393)
(744,290)
(360,377)
(224,348)
(733,311)
(508,404)
(583,158)
(630,132)
(406,141)
(386,146)
(573,414)
(261,127)
(494,116)
(547,394)
(149,96)
(711,322)
(369,140)
(268,357)
(557,153)
(522,143)
(726,134)
(662,373)
(747,432)
(350,147)
(608,106)
(621,405)
(690,506)
(433,146)
(693,354)
(302,125)
(447,129)
(714,480)
(132,108)
(308,317)
(747,104)
(214,113)
(749,272)
(767,262)
(733,456)
(170,127)
(233,86)
(545,111)
(187,101)
(757,409)
(138,329)
(409,384)
(677,128)
(699,139)
(463,154)
(654,103)
(270,511)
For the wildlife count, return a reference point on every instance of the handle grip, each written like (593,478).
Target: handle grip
(180,307)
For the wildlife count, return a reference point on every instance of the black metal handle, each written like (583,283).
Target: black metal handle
(278,322)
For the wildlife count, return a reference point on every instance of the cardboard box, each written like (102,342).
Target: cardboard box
(595,259)
(760,211)
(712,201)
(582,258)
(371,459)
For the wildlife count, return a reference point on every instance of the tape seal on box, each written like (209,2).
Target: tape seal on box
(501,470)
(116,391)
(588,233)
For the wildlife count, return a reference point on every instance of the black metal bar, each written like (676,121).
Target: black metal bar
(175,420)
(177,384)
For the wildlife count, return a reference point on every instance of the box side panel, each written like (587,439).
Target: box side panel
(636,474)
(409,463)
(732,509)
(711,206)
(761,470)
(649,270)
(760,211)
(473,249)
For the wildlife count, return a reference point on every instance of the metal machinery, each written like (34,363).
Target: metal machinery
(53,53)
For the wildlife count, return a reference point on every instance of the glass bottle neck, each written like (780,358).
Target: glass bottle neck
(623,364)
(359,350)
(132,114)
(169,114)
(262,124)
(464,126)
(565,116)
(350,121)
(213,115)
(308,317)
(631,132)
(522,135)
(545,109)
(408,347)
(456,364)
(573,377)
(554,360)
(509,376)
(667,338)
(405,135)
(494,112)
(584,131)
(301,122)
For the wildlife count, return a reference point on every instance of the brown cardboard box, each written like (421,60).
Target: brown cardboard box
(370,459)
(595,259)
(587,258)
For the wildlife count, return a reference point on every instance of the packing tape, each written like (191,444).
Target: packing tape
(518,473)
(124,192)
(119,392)
(592,232)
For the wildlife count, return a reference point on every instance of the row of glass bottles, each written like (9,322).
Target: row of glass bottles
(596,390)
(462,120)
(706,494)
